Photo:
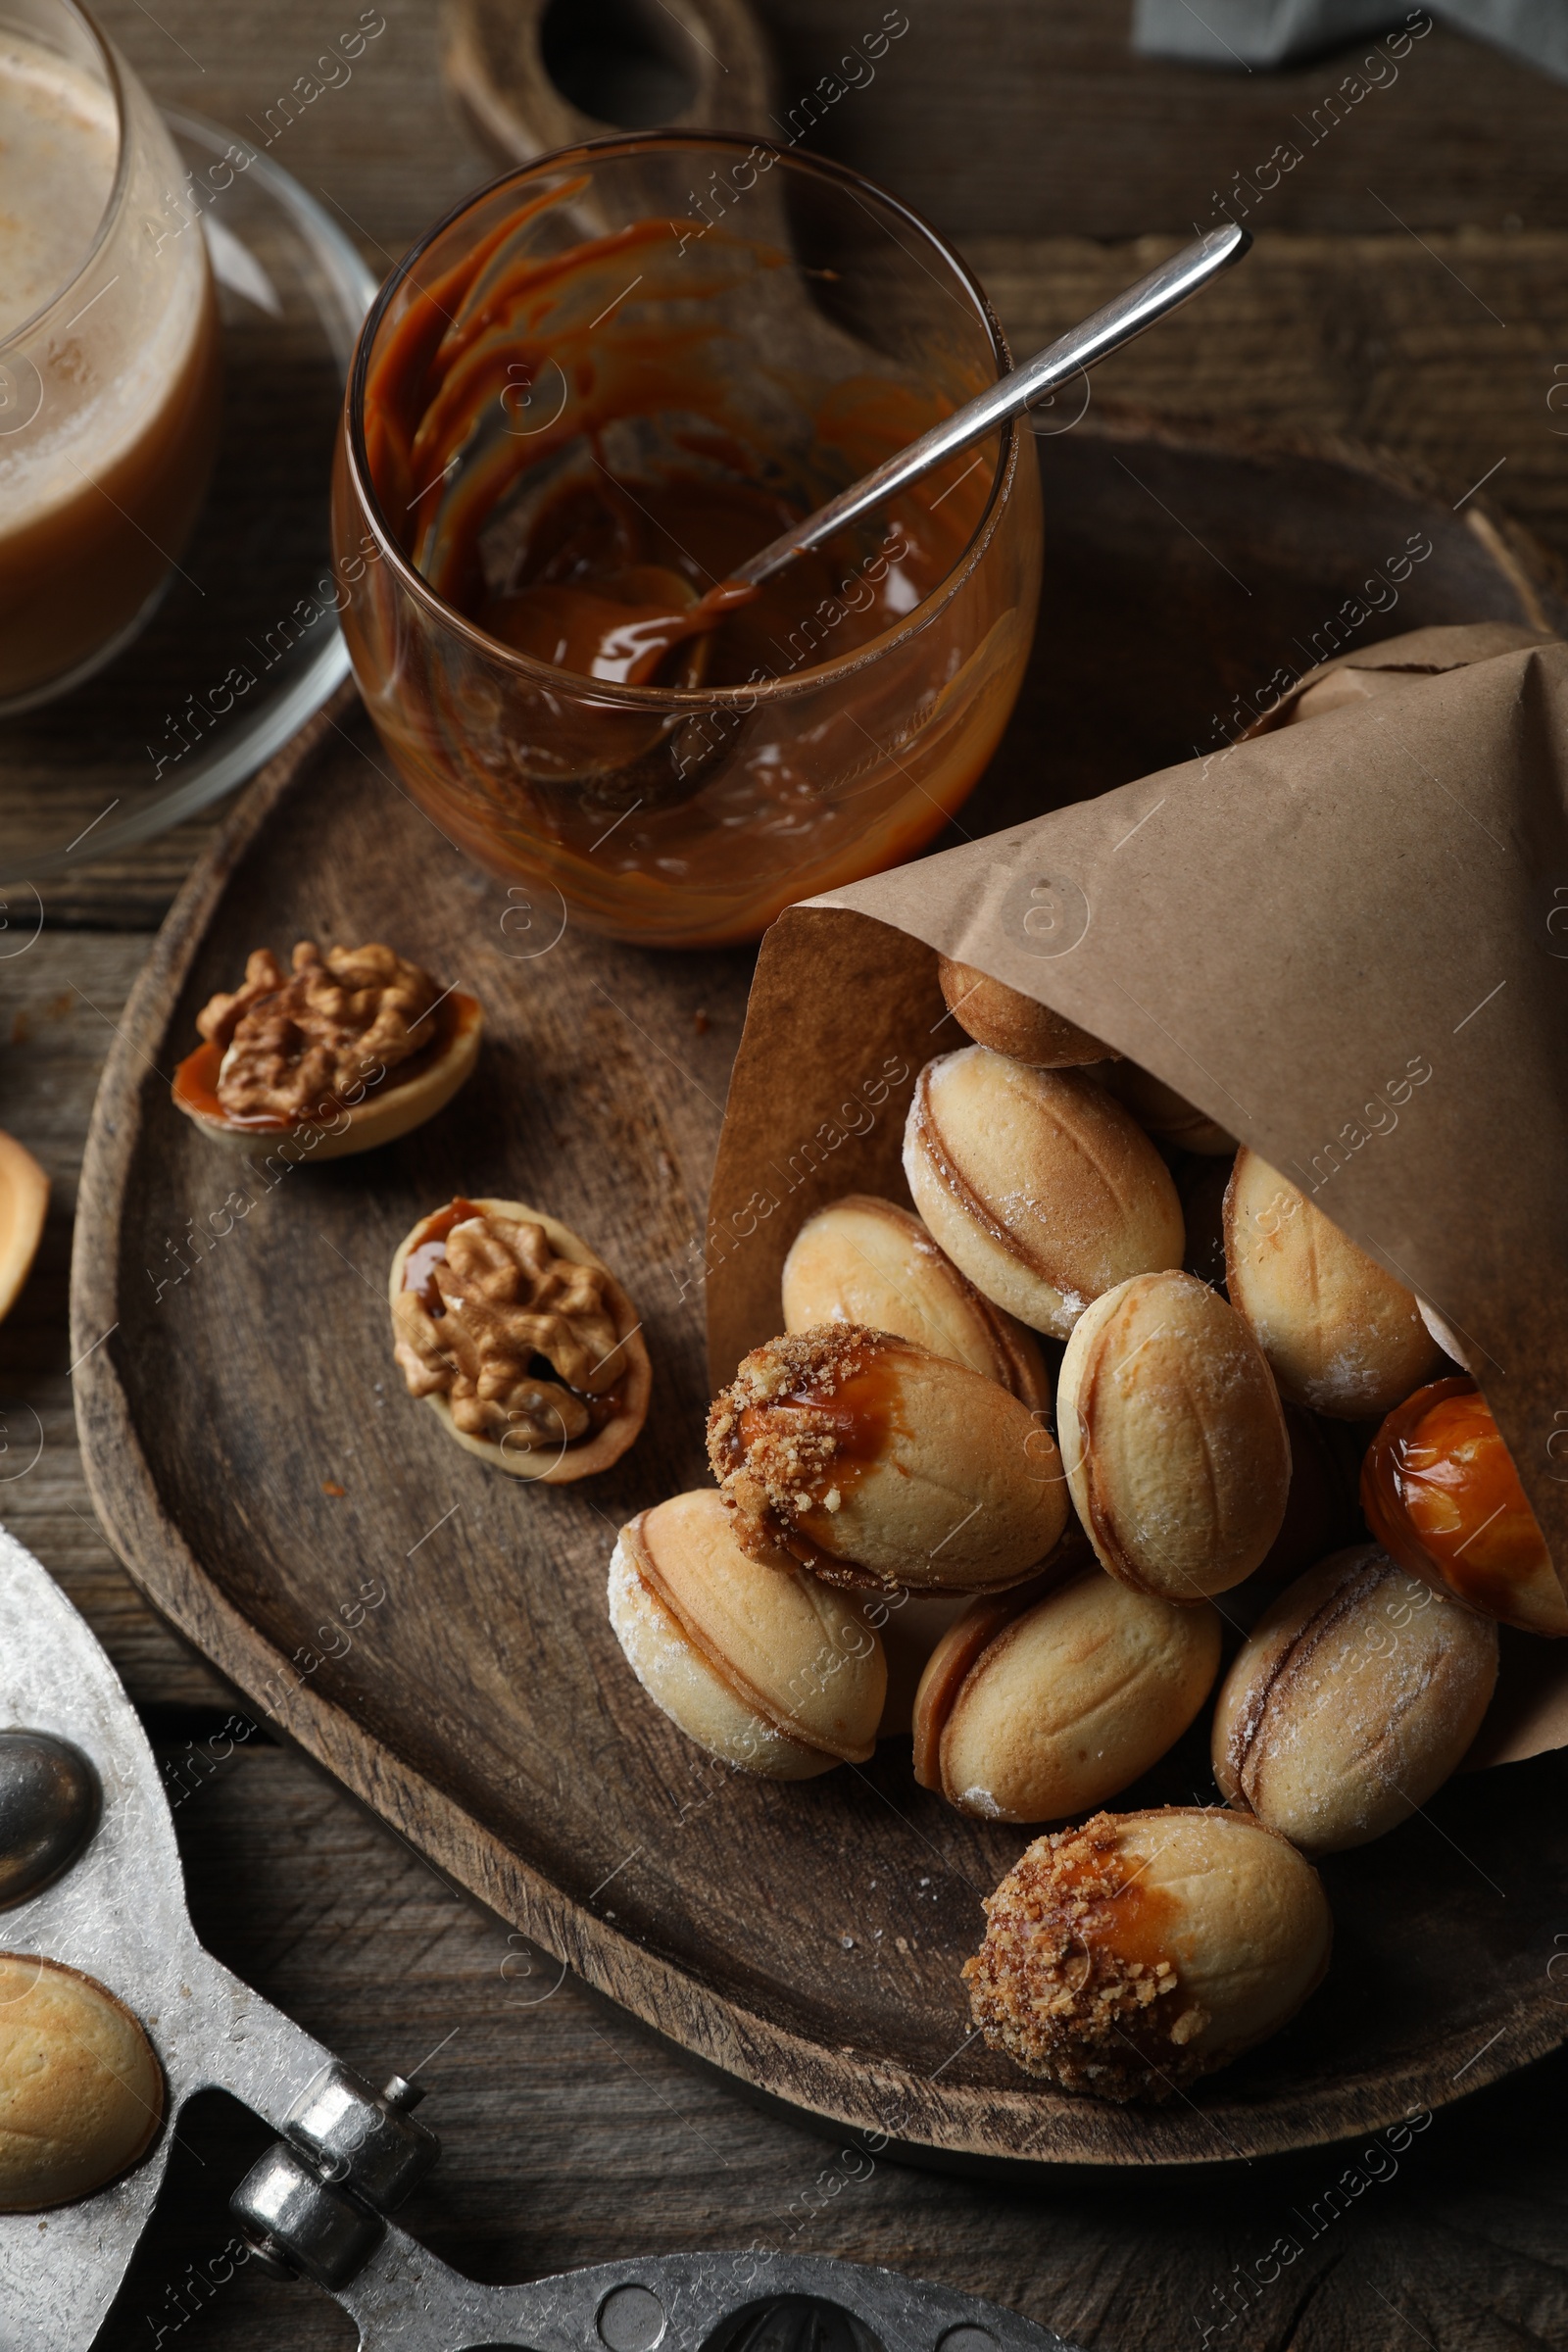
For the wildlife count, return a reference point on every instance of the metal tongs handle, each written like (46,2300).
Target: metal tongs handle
(403,2299)
(317,2204)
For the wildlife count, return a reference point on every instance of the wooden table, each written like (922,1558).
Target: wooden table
(571,2135)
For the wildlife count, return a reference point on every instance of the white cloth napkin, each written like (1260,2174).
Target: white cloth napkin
(1232,34)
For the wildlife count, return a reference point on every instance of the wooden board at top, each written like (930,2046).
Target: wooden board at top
(225,1394)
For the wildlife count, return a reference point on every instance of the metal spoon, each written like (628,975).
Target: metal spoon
(647,781)
(1153,298)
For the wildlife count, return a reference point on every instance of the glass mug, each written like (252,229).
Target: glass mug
(109,358)
(580,394)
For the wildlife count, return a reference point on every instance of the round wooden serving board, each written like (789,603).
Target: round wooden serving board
(257,1464)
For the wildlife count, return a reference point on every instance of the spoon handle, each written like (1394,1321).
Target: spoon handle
(1154,297)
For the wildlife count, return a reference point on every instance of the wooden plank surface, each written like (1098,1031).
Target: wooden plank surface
(573,2135)
(988,116)
(1366,340)
(1438,332)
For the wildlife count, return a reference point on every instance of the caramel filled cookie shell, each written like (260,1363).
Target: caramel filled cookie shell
(1442,1495)
(1131,1956)
(1009,1022)
(868,1261)
(1034,1707)
(1353,1699)
(776,1673)
(1173,1437)
(1040,1189)
(1342,1337)
(872,1462)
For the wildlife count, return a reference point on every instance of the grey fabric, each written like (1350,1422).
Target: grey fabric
(1244,33)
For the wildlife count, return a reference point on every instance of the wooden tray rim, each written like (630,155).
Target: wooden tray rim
(1012,2128)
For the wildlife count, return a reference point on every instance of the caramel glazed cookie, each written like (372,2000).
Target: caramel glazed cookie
(1135,1954)
(872,1462)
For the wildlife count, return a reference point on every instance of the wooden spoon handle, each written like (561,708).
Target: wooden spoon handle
(532,75)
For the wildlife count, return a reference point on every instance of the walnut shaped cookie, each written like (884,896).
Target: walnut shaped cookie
(345,1050)
(520,1340)
(84,2093)
(24,1206)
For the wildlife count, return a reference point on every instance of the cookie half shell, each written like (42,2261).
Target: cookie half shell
(1342,1337)
(1352,1701)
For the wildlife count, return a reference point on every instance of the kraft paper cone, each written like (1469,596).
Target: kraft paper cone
(1346,938)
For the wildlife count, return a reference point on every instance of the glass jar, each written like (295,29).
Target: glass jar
(109,360)
(675,344)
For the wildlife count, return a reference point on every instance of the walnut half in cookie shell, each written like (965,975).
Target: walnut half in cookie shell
(344,1052)
(520,1340)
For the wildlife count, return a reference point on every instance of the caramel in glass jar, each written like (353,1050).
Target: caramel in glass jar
(564,436)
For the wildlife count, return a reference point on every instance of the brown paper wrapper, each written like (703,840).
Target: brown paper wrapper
(1346,938)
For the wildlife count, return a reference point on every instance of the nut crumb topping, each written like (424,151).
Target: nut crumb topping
(773,1459)
(499,1314)
(295,1040)
(1051,1985)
